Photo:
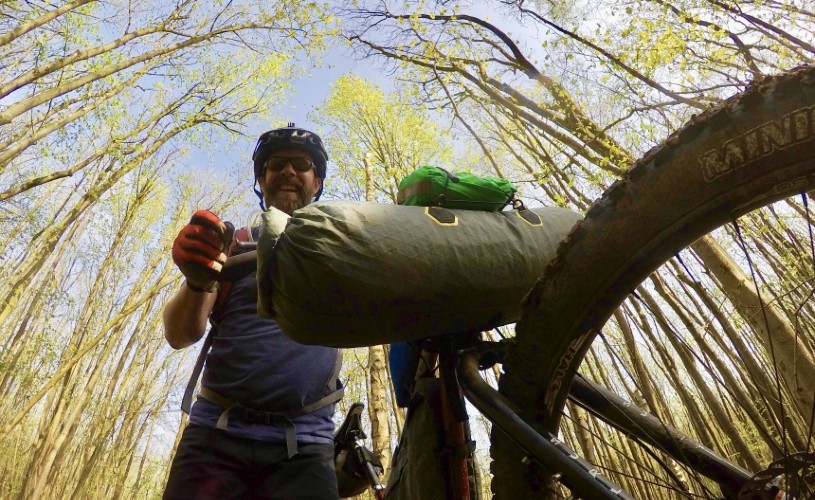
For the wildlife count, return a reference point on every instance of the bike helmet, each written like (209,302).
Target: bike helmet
(351,477)
(351,457)
(290,137)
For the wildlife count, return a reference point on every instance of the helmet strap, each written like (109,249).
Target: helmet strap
(260,195)
(319,191)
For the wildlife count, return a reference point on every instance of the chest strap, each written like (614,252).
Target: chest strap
(267,417)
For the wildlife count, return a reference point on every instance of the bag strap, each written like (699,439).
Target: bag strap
(224,288)
(283,416)
(186,401)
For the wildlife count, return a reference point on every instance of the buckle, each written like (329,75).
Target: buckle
(257,417)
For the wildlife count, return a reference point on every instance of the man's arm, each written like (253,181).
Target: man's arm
(198,251)
(185,316)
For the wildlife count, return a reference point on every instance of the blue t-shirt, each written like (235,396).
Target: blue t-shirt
(251,362)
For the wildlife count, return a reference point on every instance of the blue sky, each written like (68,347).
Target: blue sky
(315,87)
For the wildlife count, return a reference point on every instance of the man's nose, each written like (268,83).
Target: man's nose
(288,168)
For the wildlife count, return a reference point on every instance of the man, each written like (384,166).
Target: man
(262,426)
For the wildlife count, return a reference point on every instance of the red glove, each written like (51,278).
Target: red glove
(198,250)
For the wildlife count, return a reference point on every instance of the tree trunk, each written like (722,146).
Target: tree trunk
(378,376)
(711,400)
(793,364)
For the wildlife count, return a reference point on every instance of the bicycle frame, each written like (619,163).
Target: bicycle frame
(578,474)
(458,362)
(547,449)
(460,372)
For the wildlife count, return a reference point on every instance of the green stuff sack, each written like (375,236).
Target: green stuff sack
(433,186)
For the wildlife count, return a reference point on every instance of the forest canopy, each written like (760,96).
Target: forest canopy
(119,119)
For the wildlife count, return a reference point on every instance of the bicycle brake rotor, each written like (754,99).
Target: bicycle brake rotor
(791,477)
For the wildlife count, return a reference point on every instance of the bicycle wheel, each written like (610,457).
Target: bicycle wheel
(752,150)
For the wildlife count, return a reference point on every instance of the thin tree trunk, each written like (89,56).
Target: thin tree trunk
(769,413)
(794,366)
(379,381)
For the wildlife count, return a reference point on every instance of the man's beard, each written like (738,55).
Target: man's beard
(285,203)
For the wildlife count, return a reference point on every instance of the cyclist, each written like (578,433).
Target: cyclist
(262,425)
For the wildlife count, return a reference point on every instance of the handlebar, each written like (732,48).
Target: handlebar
(239,266)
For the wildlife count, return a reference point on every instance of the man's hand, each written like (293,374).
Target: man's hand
(198,250)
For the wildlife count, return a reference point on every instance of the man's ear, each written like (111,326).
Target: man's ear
(318,184)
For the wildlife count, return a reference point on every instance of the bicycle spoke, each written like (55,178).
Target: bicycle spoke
(776,428)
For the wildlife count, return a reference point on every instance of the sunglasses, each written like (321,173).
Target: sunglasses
(278,163)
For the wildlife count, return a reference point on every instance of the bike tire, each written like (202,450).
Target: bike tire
(751,150)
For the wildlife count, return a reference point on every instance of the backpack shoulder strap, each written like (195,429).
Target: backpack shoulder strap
(186,401)
(224,288)
(334,384)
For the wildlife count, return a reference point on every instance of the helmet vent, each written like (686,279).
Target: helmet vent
(298,136)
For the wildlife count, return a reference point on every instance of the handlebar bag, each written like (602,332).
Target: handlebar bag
(434,186)
(350,274)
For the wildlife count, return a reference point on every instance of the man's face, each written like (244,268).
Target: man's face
(288,189)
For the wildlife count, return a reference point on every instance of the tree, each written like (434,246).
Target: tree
(375,140)
(382,134)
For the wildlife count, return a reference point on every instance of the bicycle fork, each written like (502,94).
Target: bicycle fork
(578,474)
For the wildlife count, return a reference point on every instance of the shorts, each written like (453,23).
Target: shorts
(211,463)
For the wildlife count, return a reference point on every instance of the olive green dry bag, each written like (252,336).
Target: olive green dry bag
(351,274)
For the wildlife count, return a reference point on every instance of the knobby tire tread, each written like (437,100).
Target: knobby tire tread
(750,150)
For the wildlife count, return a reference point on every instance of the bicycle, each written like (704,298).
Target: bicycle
(752,150)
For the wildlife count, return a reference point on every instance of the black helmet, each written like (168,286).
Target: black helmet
(351,457)
(290,137)
(352,479)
